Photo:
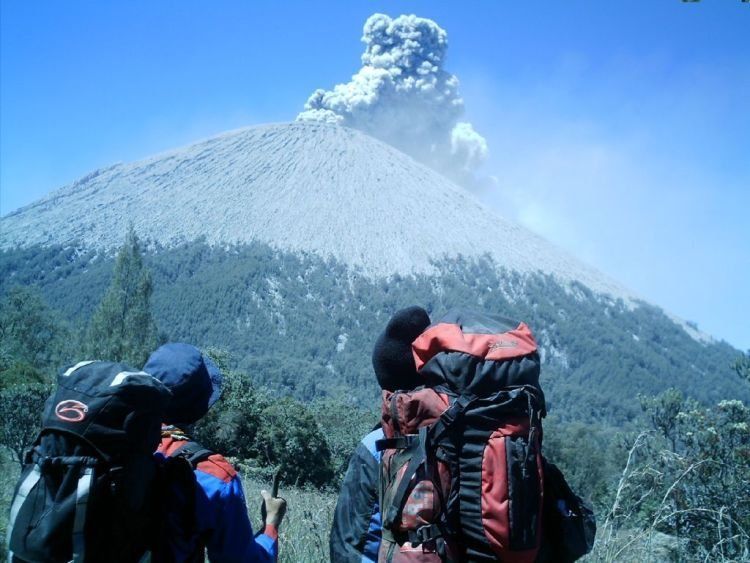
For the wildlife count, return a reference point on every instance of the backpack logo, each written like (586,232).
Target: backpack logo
(497,344)
(71,411)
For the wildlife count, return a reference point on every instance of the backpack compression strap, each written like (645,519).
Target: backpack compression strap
(193,452)
(79,522)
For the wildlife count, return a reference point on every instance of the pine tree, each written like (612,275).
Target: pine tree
(742,366)
(122,327)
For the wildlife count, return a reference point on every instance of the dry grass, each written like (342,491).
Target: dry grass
(622,537)
(9,471)
(304,534)
(303,537)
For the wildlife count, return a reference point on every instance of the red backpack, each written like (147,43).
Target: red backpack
(461,474)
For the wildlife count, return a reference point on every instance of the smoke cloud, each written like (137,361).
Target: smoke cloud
(402,95)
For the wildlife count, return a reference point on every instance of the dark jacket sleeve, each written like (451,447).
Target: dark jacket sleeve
(355,535)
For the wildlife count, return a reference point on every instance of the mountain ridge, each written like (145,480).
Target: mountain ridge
(310,187)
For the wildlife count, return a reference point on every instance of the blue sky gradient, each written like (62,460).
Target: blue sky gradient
(620,131)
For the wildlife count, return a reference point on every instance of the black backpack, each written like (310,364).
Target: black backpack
(177,525)
(89,488)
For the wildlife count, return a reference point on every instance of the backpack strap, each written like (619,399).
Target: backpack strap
(393,513)
(193,452)
(79,521)
(443,424)
(397,443)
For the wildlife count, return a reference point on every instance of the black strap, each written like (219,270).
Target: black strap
(81,512)
(45,462)
(419,456)
(449,417)
(193,452)
(398,443)
(394,413)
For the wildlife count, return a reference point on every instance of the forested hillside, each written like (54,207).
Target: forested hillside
(304,326)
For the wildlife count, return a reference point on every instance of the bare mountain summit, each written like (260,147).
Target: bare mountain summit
(312,187)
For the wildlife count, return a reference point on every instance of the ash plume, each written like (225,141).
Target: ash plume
(403,96)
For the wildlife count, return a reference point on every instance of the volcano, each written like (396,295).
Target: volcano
(318,188)
(289,245)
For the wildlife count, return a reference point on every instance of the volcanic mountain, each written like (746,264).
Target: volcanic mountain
(312,187)
(313,233)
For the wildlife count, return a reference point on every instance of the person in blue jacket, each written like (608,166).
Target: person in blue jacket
(215,522)
(356,531)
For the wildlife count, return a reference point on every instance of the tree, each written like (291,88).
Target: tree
(23,406)
(742,366)
(343,426)
(266,434)
(290,441)
(231,426)
(29,330)
(663,411)
(122,327)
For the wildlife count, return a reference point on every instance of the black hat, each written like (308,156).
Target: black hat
(392,357)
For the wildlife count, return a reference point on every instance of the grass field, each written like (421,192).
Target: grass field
(303,536)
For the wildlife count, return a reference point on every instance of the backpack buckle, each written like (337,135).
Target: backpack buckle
(424,534)
(398,443)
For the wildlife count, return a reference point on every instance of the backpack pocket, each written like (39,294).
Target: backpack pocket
(569,521)
(511,497)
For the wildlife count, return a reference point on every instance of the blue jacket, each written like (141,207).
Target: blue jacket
(355,534)
(222,527)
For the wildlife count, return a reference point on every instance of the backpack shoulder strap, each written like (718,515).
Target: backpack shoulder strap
(193,452)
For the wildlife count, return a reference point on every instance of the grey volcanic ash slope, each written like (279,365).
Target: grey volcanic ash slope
(320,188)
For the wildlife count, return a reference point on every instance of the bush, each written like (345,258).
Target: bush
(290,440)
(231,426)
(23,406)
(267,434)
(343,427)
(687,478)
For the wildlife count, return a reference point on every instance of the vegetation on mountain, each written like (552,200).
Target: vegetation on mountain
(742,366)
(33,338)
(304,326)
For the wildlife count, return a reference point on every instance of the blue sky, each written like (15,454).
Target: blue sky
(618,130)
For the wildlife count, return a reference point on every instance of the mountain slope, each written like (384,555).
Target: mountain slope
(305,326)
(318,188)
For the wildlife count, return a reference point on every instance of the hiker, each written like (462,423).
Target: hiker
(355,534)
(460,475)
(220,526)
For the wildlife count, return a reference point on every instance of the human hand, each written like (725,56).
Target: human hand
(273,509)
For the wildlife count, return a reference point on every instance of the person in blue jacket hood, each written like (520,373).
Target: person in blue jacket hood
(356,531)
(220,527)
